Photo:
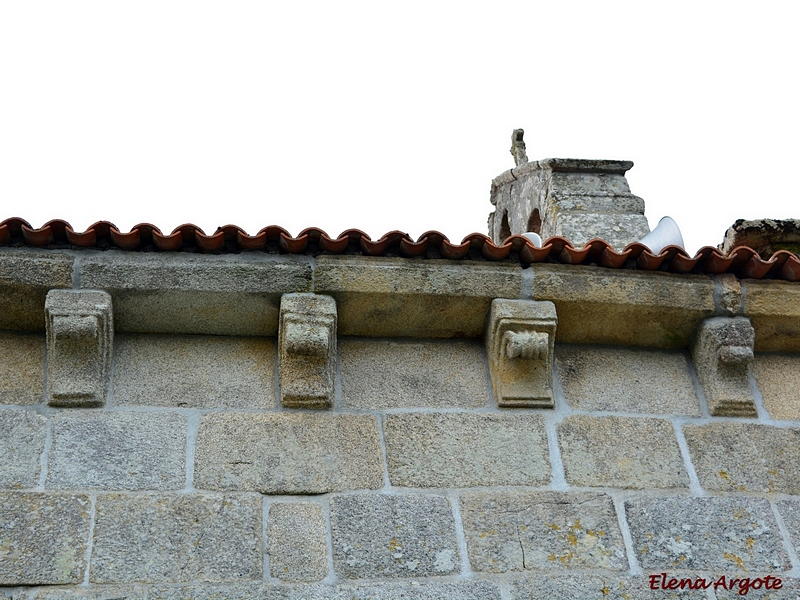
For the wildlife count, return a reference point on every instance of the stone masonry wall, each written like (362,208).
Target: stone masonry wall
(194,482)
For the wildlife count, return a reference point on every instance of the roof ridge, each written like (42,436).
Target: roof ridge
(742,261)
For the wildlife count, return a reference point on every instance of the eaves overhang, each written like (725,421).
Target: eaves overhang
(742,262)
(384,296)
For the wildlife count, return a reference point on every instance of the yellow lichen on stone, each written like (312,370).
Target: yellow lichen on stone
(732,557)
(572,539)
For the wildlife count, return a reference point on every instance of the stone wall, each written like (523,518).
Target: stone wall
(192,475)
(195,480)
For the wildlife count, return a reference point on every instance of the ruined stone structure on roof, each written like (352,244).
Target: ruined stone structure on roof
(269,417)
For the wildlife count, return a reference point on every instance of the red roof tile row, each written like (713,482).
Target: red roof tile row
(742,261)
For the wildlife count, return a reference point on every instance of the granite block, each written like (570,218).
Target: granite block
(626,380)
(288,453)
(474,589)
(195,371)
(745,457)
(26,275)
(296,539)
(517,531)
(778,378)
(179,292)
(43,538)
(624,452)
(235,591)
(725,534)
(121,450)
(466,449)
(380,374)
(174,538)
(22,437)
(408,535)
(604,586)
(22,367)
(101,592)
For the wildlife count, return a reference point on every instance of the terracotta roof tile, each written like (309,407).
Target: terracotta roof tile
(742,261)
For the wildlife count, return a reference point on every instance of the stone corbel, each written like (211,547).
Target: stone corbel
(723,354)
(307,350)
(80,336)
(520,337)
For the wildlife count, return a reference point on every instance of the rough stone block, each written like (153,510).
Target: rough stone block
(619,230)
(237,591)
(21,368)
(790,513)
(722,354)
(22,435)
(774,310)
(568,203)
(398,297)
(25,278)
(765,236)
(516,531)
(624,307)
(103,592)
(296,539)
(176,538)
(730,294)
(520,337)
(597,586)
(466,450)
(393,536)
(626,380)
(726,534)
(621,452)
(603,193)
(43,538)
(744,457)
(380,374)
(80,339)
(778,377)
(195,371)
(117,450)
(402,590)
(166,292)
(288,453)
(307,350)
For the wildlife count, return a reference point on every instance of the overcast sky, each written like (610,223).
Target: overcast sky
(384,116)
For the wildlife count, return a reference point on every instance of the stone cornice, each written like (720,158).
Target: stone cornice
(392,297)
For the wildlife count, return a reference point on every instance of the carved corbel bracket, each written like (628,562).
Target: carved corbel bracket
(520,337)
(307,350)
(723,355)
(80,337)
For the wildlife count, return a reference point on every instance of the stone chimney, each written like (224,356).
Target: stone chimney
(573,198)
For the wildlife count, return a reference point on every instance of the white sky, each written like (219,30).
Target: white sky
(384,116)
